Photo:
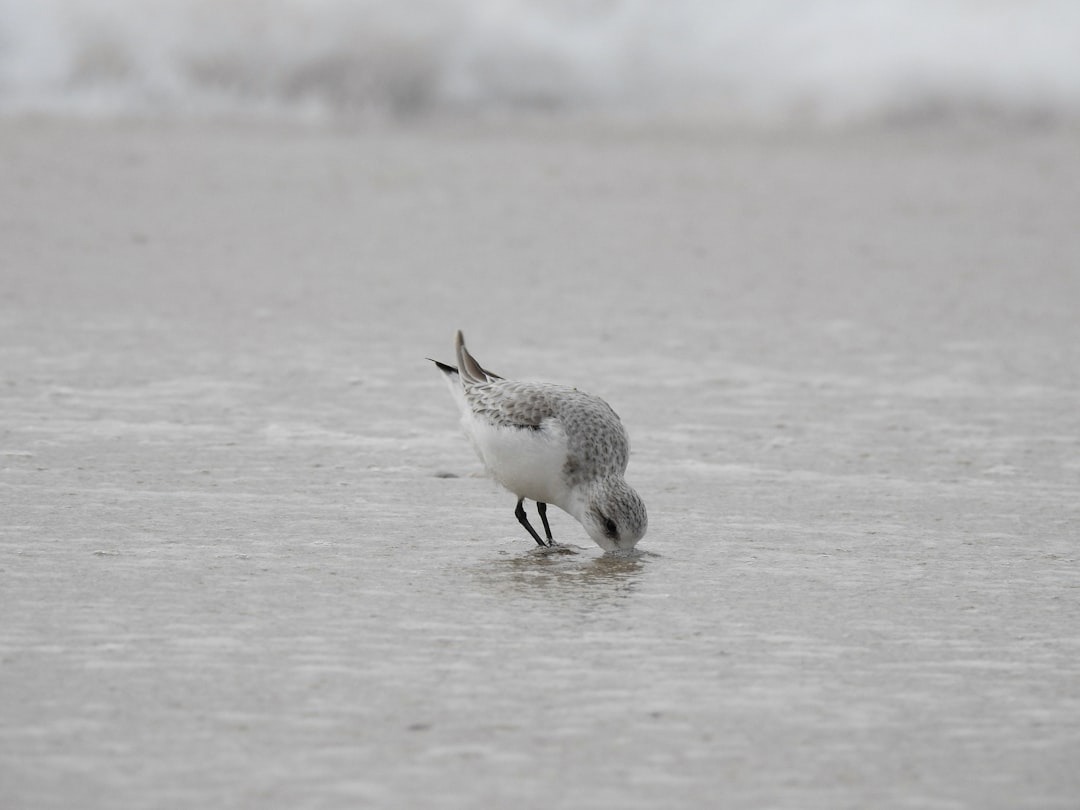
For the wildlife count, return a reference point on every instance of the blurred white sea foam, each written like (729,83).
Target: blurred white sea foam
(816,61)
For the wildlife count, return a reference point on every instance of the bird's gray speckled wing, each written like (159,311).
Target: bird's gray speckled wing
(512,404)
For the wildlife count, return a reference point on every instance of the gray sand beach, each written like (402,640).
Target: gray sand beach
(248,560)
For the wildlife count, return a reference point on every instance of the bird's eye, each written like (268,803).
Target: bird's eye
(610,529)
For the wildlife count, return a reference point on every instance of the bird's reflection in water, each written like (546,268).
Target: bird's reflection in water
(565,570)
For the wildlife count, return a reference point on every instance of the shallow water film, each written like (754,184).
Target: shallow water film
(247,559)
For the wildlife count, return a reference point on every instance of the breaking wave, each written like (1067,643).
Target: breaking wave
(823,61)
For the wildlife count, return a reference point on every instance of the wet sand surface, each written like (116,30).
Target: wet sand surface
(247,559)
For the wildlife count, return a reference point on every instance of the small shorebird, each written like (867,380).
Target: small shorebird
(550,444)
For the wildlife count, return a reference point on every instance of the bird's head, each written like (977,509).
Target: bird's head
(614,515)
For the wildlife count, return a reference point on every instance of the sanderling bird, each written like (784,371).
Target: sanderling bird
(550,444)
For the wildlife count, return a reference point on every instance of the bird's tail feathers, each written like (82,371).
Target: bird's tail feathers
(448,370)
(453,382)
(470,370)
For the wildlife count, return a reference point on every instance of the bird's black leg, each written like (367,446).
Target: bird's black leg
(542,509)
(519,513)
